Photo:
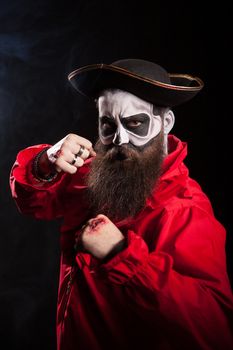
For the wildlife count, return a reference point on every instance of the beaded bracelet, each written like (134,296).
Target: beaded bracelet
(36,171)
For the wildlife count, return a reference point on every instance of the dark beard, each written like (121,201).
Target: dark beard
(121,178)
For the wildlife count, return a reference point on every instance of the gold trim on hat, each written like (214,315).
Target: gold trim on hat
(137,76)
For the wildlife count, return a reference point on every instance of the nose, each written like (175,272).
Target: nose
(120,136)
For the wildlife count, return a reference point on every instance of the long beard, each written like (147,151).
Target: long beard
(121,178)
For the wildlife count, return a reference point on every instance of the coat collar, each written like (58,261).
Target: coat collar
(177,152)
(173,167)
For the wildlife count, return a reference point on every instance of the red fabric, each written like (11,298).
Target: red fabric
(167,290)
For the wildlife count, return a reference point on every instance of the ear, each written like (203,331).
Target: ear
(169,120)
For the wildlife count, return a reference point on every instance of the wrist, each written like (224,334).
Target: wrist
(42,169)
(118,247)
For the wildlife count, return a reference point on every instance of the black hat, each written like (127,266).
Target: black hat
(145,79)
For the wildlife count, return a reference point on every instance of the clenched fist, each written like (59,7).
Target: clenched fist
(100,236)
(66,155)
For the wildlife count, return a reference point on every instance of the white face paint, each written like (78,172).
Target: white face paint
(125,118)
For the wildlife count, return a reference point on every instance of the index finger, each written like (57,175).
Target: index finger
(83,142)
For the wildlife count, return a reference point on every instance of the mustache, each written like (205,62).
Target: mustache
(114,152)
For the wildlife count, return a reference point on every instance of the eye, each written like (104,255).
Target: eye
(134,123)
(106,122)
(106,125)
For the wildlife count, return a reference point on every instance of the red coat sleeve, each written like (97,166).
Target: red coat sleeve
(184,280)
(38,199)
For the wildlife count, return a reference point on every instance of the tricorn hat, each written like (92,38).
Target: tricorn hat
(145,79)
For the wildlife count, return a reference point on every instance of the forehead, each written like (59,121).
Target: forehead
(118,102)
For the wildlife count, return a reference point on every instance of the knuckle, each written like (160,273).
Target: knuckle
(79,162)
(85,142)
(69,137)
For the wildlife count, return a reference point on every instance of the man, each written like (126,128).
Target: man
(143,257)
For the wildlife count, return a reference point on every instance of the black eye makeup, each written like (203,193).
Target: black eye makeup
(138,123)
(107,126)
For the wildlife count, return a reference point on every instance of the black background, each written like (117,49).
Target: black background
(40,43)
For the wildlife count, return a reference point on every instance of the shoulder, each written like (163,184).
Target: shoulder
(183,204)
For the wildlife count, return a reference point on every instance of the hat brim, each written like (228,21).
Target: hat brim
(92,79)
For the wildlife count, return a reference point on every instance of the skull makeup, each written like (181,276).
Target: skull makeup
(125,118)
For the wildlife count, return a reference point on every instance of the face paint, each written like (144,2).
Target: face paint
(125,118)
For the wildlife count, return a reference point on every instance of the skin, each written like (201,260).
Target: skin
(100,236)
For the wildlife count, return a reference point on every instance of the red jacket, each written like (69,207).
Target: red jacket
(168,289)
